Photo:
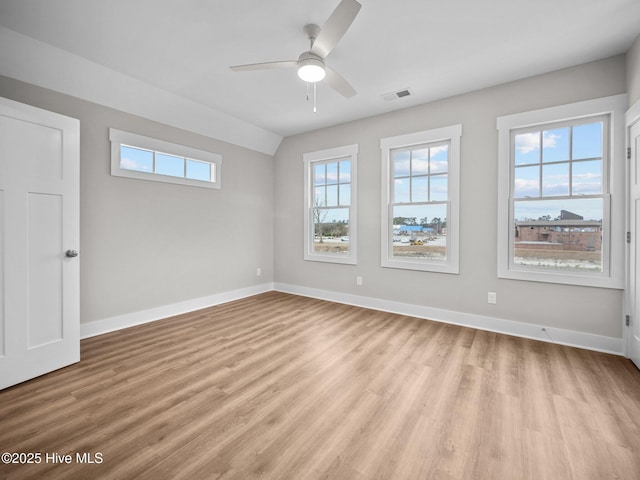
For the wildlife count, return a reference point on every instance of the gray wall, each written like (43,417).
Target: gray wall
(591,310)
(633,72)
(149,244)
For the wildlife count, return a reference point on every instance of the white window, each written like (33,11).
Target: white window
(420,204)
(560,206)
(145,158)
(330,205)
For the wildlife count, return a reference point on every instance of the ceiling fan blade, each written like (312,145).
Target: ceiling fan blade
(338,83)
(264,66)
(335,27)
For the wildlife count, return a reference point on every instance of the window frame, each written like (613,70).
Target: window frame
(612,275)
(322,156)
(452,135)
(119,139)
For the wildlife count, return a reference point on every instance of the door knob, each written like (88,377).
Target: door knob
(71,253)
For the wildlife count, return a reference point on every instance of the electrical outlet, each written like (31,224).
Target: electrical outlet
(258,272)
(359,280)
(492,298)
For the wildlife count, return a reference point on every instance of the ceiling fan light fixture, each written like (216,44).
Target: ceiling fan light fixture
(311,70)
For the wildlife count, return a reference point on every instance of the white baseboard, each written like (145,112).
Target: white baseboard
(98,327)
(560,336)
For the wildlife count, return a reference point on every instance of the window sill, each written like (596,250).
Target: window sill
(581,280)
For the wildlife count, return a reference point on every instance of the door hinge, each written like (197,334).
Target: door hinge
(628,153)
(628,237)
(627,320)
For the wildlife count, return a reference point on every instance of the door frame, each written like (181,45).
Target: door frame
(632,117)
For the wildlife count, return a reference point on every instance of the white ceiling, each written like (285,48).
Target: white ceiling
(434,48)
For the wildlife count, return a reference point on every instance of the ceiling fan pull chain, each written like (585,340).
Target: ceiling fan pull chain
(307,91)
(314,98)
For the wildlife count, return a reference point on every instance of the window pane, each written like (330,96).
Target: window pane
(198,170)
(526,182)
(439,184)
(345,194)
(587,141)
(440,159)
(420,232)
(586,177)
(559,234)
(331,230)
(319,176)
(136,159)
(345,171)
(420,189)
(332,196)
(555,145)
(555,180)
(527,148)
(401,191)
(420,161)
(400,163)
(169,165)
(332,173)
(320,197)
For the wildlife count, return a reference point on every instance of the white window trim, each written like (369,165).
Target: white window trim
(613,223)
(119,138)
(350,151)
(450,134)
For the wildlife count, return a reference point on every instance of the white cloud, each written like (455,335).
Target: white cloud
(526,188)
(437,150)
(129,164)
(439,167)
(586,176)
(550,140)
(401,168)
(529,142)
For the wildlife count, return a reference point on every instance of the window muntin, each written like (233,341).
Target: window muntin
(558,196)
(420,206)
(142,160)
(420,201)
(145,158)
(570,179)
(330,205)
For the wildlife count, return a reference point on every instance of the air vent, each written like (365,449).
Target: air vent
(396,95)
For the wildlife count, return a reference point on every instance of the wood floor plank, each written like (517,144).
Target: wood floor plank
(279,386)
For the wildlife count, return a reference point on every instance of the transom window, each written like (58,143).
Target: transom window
(330,209)
(142,160)
(558,200)
(420,172)
(145,158)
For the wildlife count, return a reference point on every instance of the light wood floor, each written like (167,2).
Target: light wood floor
(284,387)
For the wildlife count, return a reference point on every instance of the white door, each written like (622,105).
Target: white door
(633,292)
(39,222)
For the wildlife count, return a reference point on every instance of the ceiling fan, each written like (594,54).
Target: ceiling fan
(311,64)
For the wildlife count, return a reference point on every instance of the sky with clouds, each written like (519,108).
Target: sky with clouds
(558,162)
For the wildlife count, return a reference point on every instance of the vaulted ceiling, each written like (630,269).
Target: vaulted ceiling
(434,49)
